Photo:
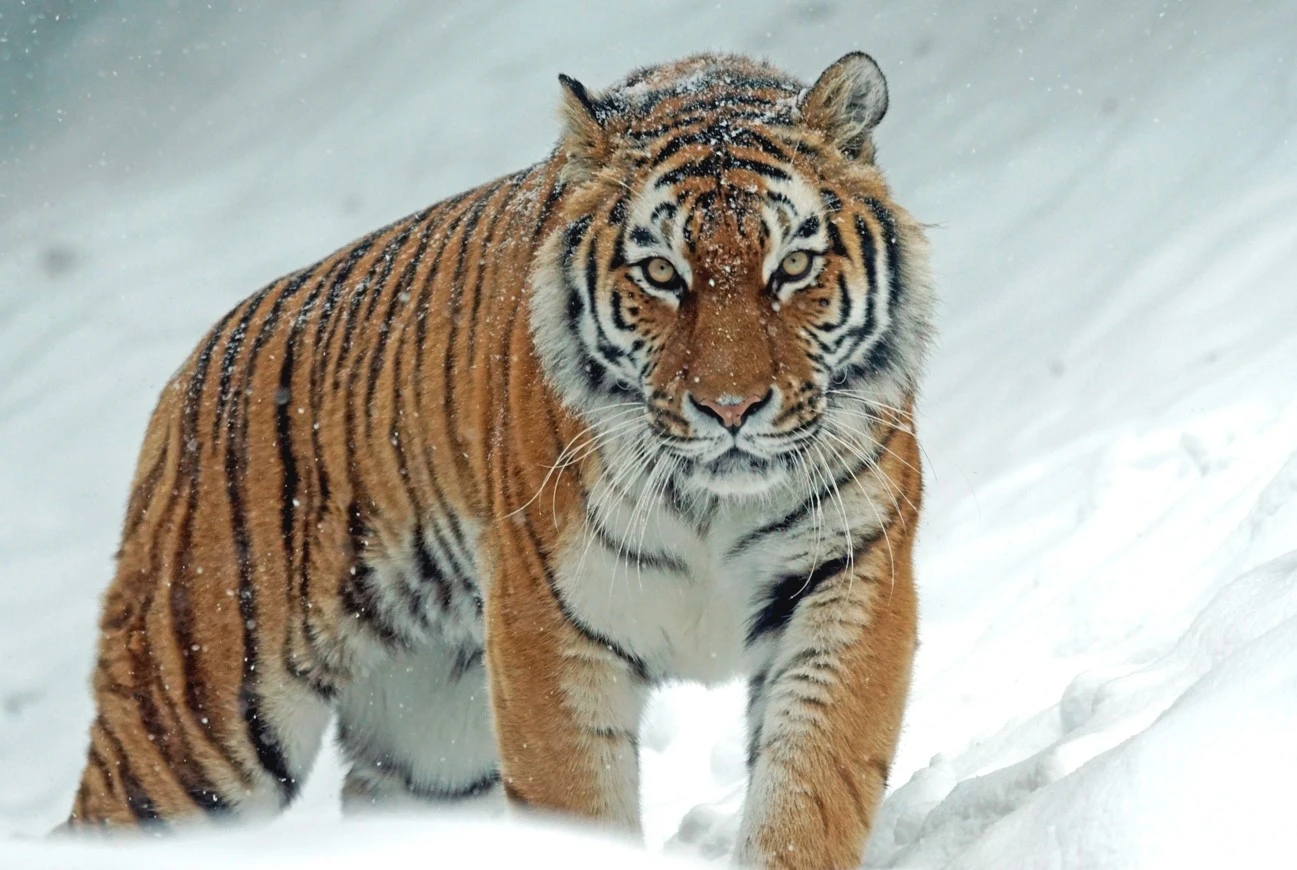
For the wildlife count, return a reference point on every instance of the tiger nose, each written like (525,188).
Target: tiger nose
(732,410)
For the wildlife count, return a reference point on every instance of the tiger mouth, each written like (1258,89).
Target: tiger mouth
(736,460)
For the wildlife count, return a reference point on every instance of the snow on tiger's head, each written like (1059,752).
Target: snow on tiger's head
(730,285)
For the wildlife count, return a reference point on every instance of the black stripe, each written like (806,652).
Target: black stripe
(456,793)
(808,227)
(142,496)
(719,134)
(361,600)
(636,664)
(429,573)
(835,239)
(389,763)
(260,733)
(368,289)
(429,284)
(97,761)
(617,259)
(780,200)
(581,304)
(796,515)
(184,764)
(462,566)
(227,370)
(400,295)
(547,208)
(668,208)
(892,242)
(641,558)
(610,352)
(138,800)
(195,688)
(473,206)
(617,214)
(868,253)
(288,516)
(446,554)
(288,527)
(783,595)
(847,344)
(615,735)
(502,209)
(466,659)
(328,323)
(456,298)
(269,754)
(339,273)
(715,164)
(845,307)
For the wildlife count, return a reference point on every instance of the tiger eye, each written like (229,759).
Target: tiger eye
(795,265)
(660,272)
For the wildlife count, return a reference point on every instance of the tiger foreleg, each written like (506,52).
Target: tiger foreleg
(827,716)
(566,707)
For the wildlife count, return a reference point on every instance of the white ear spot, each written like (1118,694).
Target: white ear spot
(846,103)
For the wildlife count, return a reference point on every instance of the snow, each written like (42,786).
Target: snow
(1109,664)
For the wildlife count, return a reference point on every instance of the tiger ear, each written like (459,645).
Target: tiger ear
(846,103)
(585,139)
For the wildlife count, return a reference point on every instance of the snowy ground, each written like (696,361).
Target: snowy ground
(1108,675)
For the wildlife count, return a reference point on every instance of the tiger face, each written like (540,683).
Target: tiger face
(732,292)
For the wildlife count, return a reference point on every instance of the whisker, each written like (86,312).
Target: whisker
(587,447)
(842,510)
(892,489)
(559,464)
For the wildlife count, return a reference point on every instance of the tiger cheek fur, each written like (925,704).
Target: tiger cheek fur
(479,481)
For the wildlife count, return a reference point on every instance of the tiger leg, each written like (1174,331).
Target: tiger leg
(827,717)
(417,728)
(157,755)
(567,704)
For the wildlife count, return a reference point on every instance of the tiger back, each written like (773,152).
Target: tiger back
(477,482)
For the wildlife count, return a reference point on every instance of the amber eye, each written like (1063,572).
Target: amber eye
(795,266)
(659,272)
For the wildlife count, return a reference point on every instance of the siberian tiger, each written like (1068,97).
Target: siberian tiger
(479,481)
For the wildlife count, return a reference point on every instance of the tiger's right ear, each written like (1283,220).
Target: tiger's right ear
(585,141)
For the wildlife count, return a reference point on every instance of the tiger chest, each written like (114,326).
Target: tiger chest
(669,591)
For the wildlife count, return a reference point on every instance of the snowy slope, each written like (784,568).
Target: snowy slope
(1109,660)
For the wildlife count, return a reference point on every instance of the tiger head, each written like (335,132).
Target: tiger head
(730,292)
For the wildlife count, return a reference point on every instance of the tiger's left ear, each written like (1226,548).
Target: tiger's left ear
(846,103)
(585,141)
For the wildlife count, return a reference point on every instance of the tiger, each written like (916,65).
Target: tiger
(472,486)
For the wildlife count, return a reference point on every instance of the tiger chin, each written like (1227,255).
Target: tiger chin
(476,483)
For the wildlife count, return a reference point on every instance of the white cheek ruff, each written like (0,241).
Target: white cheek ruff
(583,353)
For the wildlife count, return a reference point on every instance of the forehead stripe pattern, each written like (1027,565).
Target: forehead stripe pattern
(718,126)
(715,164)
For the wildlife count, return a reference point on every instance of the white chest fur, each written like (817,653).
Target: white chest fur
(673,587)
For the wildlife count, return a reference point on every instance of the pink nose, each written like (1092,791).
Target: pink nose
(731,409)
